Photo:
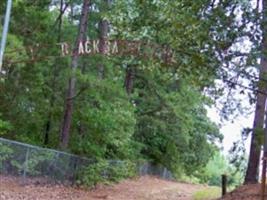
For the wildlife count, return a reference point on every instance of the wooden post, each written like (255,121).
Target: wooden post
(224,184)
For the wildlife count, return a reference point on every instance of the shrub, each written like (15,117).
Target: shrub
(106,172)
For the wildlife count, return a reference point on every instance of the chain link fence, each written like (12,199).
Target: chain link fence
(30,162)
(27,161)
(154,170)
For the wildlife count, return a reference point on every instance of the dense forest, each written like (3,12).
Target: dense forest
(149,102)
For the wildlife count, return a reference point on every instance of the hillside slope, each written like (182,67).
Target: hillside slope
(245,192)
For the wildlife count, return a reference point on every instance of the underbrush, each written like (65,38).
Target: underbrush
(106,172)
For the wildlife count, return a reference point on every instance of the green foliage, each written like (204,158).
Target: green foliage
(172,123)
(214,170)
(4,127)
(106,172)
(107,121)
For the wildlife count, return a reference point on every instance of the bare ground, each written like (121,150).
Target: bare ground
(143,188)
(245,192)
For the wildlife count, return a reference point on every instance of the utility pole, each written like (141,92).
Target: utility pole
(5,31)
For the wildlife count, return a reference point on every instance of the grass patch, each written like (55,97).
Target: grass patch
(208,193)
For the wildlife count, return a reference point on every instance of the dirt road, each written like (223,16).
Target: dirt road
(144,188)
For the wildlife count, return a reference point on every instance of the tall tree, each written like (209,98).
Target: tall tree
(255,148)
(129,79)
(82,31)
(48,123)
(103,34)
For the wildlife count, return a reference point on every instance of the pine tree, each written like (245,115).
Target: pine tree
(82,31)
(252,173)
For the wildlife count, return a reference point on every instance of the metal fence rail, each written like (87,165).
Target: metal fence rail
(28,161)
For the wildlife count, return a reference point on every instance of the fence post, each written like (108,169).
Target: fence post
(25,166)
(224,184)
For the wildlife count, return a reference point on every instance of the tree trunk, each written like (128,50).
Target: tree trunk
(129,79)
(103,45)
(252,172)
(48,123)
(255,147)
(47,130)
(66,124)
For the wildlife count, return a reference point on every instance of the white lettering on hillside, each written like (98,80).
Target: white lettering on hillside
(121,47)
(64,49)
(96,46)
